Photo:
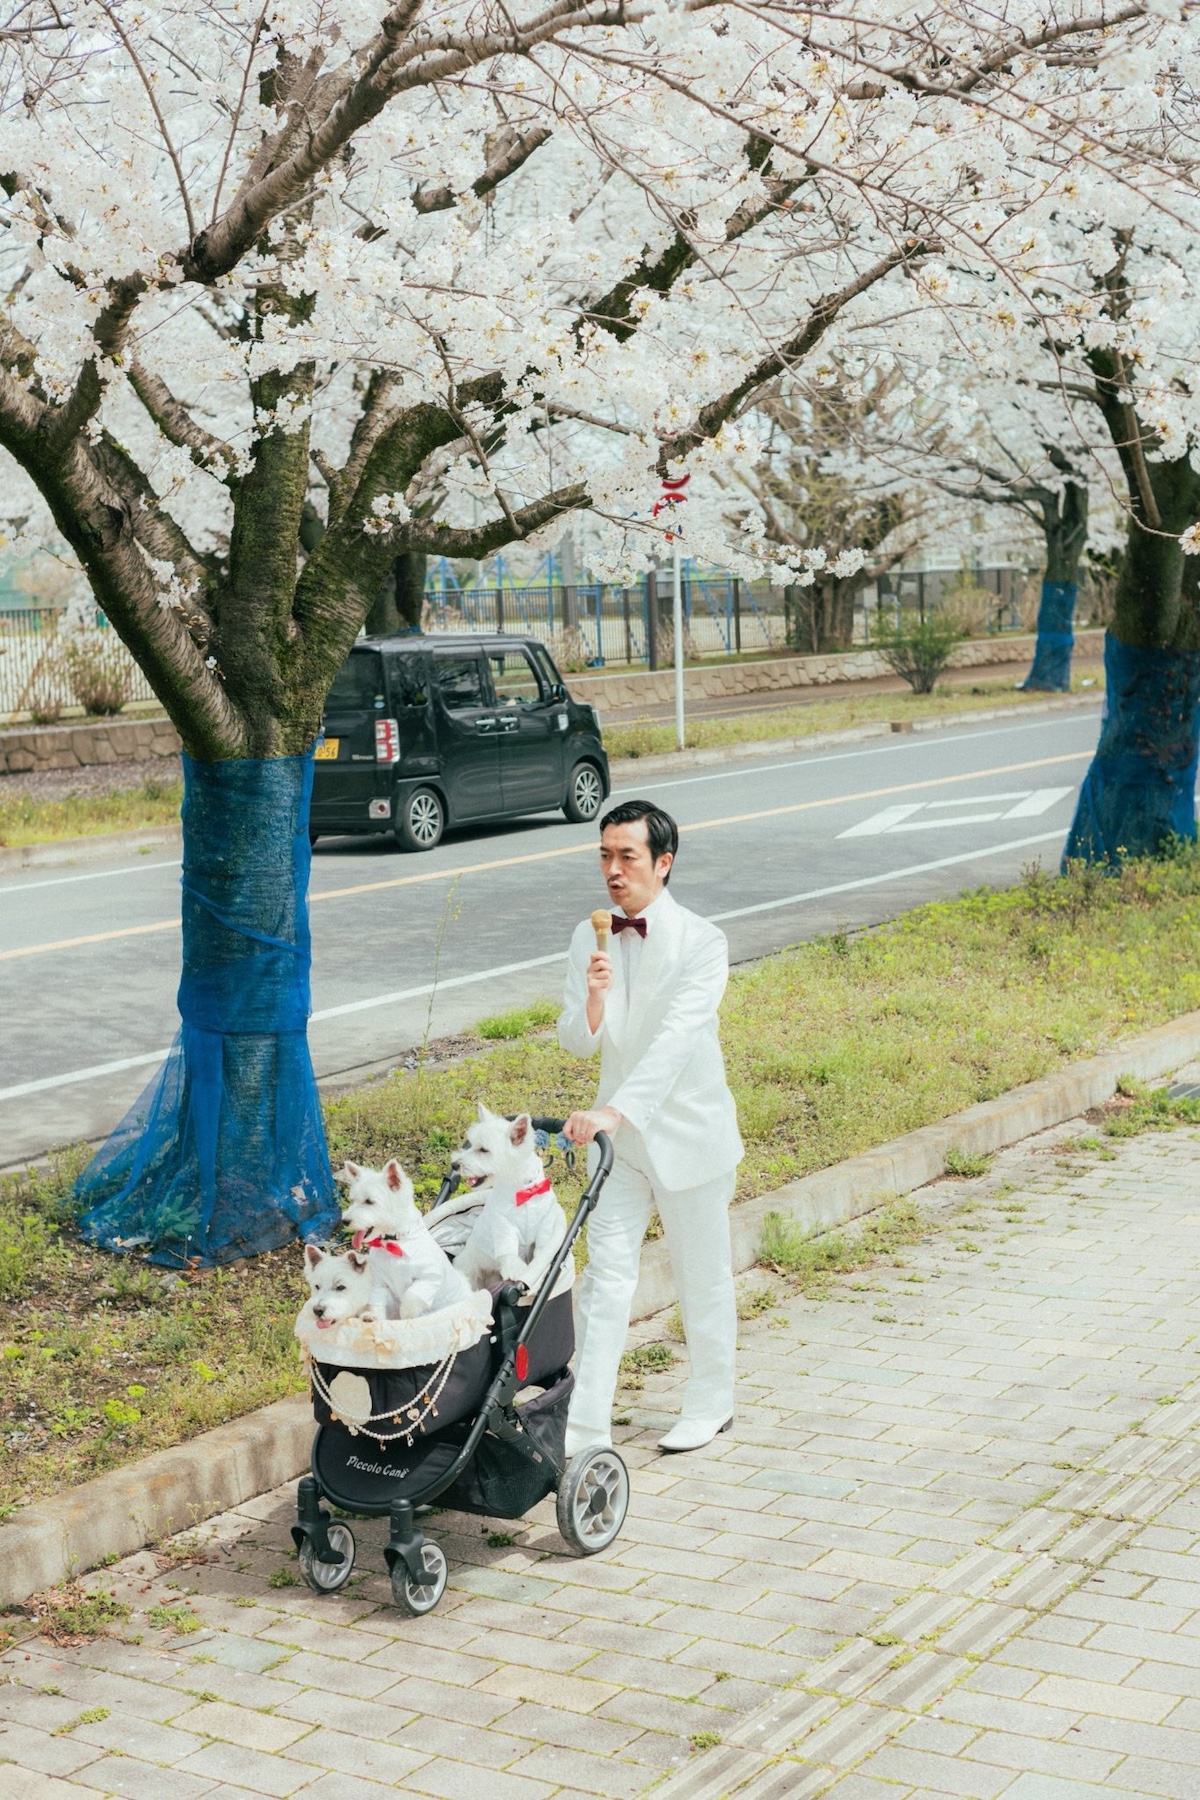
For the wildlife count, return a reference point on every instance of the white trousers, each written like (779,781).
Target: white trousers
(696,1226)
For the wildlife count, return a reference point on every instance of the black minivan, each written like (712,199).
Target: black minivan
(425,732)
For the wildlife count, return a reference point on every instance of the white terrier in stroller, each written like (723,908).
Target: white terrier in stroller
(520,1224)
(339,1286)
(410,1272)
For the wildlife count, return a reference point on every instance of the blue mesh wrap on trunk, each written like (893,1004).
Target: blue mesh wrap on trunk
(1140,789)
(1055,638)
(224,1154)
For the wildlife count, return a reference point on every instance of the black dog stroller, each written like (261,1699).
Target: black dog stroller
(393,1439)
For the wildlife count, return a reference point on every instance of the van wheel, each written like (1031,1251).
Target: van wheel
(585,796)
(421,822)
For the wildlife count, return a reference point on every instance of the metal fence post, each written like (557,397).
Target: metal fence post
(625,620)
(737,613)
(499,609)
(652,618)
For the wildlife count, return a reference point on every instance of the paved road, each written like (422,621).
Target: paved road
(777,848)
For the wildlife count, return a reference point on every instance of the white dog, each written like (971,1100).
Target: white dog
(521,1224)
(339,1286)
(411,1273)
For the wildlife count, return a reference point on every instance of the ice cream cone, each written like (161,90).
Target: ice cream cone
(602,926)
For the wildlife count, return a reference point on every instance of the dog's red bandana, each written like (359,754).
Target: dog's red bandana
(382,1243)
(530,1193)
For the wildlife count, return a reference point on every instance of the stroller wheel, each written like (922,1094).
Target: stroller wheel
(323,1577)
(593,1498)
(418,1597)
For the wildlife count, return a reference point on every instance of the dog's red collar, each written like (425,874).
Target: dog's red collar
(531,1193)
(382,1243)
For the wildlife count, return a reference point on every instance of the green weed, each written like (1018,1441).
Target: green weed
(645,1359)
(705,1740)
(811,1261)
(73,1615)
(174,1616)
(521,1021)
(966,1164)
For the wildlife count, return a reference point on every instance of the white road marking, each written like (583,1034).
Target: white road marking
(895,820)
(987,818)
(27,887)
(865,881)
(432,987)
(1039,802)
(92,1074)
(981,799)
(541,962)
(882,821)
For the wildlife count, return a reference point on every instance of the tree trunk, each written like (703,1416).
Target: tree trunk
(1139,793)
(224,1154)
(820,617)
(399,603)
(1065,522)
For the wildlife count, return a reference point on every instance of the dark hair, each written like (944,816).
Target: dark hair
(661,829)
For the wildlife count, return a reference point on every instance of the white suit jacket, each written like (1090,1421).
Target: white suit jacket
(660,1055)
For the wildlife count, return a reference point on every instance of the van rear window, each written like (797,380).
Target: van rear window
(357,684)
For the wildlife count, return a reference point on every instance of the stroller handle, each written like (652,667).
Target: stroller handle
(553,1128)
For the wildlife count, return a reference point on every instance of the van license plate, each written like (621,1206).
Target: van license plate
(327,752)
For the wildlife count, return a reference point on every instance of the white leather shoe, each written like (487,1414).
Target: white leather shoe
(580,1438)
(691,1434)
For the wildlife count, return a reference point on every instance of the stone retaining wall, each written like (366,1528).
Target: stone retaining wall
(80,746)
(727,679)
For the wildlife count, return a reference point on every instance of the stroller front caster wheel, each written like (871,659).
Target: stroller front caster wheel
(593,1498)
(417,1596)
(324,1577)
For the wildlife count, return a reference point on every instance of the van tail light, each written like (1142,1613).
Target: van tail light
(387,741)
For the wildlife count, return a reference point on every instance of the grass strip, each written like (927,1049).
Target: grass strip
(832,1047)
(841,714)
(31,821)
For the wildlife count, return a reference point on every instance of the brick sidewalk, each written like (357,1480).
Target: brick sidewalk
(948,1550)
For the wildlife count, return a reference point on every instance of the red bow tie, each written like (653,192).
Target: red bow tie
(529,1193)
(620,924)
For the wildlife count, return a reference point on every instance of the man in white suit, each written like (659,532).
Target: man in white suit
(650,1008)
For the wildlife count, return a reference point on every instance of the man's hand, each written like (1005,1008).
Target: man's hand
(582,1127)
(599,980)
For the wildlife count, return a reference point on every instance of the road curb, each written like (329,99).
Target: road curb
(116,1514)
(625,771)
(64,852)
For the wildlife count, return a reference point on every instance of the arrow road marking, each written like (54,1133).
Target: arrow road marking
(895,819)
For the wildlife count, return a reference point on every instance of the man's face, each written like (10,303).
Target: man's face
(631,874)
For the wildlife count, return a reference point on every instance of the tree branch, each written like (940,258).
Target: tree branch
(177,425)
(512,151)
(711,418)
(481,540)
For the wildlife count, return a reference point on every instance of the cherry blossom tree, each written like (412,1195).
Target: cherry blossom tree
(296,291)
